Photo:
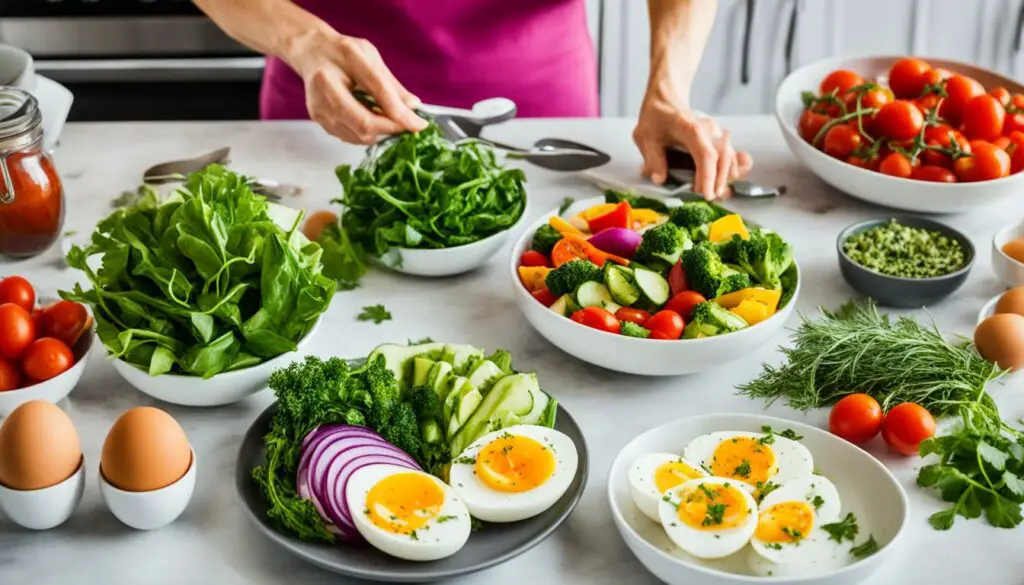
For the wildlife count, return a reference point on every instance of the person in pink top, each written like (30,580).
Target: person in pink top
(456,52)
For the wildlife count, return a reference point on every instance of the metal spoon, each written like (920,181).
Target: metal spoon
(174,171)
(549,153)
(484,112)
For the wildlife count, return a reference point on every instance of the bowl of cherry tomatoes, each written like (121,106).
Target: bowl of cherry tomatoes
(43,347)
(925,135)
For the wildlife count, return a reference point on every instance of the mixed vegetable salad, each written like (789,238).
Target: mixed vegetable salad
(636,267)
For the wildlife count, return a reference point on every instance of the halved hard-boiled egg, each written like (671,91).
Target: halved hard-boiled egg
(407,514)
(709,517)
(515,473)
(753,458)
(654,474)
(790,519)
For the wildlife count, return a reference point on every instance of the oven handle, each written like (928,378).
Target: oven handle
(151,70)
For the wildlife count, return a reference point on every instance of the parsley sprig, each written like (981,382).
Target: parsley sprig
(376,313)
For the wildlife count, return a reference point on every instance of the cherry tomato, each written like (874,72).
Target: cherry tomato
(983,118)
(1001,94)
(864,163)
(986,162)
(841,141)
(896,165)
(684,303)
(933,174)
(10,377)
(17,331)
(666,323)
(907,77)
(900,120)
(37,319)
(810,124)
(840,81)
(17,290)
(960,89)
(1003,143)
(1017,101)
(905,426)
(544,296)
(677,279)
(568,249)
(1014,122)
(597,318)
(856,418)
(45,358)
(533,258)
(942,136)
(1016,150)
(316,223)
(926,103)
(65,320)
(634,316)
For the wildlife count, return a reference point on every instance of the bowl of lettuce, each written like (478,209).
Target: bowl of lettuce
(196,297)
(422,205)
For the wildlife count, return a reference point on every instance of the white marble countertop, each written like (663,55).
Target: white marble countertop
(214,542)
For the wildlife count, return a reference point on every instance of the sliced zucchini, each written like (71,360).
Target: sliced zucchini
(652,285)
(619,281)
(564,306)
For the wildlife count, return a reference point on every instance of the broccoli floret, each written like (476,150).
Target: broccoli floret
(634,200)
(733,281)
(662,244)
(692,215)
(708,275)
(765,257)
(567,277)
(545,238)
(395,420)
(727,250)
(710,319)
(630,329)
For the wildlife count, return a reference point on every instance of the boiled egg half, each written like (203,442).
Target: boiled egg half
(709,517)
(752,458)
(654,474)
(790,518)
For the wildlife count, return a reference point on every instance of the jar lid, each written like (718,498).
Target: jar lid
(20,118)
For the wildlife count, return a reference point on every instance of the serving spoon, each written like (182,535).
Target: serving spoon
(549,153)
(178,170)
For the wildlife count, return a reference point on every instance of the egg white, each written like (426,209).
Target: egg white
(706,544)
(816,547)
(490,505)
(792,459)
(817,555)
(440,537)
(641,481)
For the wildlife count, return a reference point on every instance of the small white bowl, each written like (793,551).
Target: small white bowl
(920,196)
(56,388)
(645,357)
(44,508)
(1010,271)
(153,509)
(988,309)
(223,388)
(450,261)
(865,486)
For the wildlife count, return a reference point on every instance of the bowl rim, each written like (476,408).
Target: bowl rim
(480,242)
(623,525)
(1019,224)
(522,293)
(862,226)
(789,126)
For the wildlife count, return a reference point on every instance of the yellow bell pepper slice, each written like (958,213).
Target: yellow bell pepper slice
(581,220)
(643,217)
(723,229)
(563,227)
(752,311)
(768,298)
(533,277)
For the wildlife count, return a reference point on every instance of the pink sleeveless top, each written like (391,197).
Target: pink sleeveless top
(456,52)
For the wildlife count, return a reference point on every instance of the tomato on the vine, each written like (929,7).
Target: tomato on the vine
(863,162)
(810,124)
(942,136)
(856,418)
(841,141)
(986,162)
(927,103)
(896,164)
(983,118)
(900,120)
(840,81)
(934,174)
(907,77)
(684,303)
(597,318)
(905,426)
(960,90)
(17,290)
(667,324)
(634,316)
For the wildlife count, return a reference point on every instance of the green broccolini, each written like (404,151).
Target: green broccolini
(710,319)
(906,252)
(662,246)
(545,238)
(630,329)
(567,277)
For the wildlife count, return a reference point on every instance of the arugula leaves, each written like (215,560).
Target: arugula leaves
(376,313)
(202,283)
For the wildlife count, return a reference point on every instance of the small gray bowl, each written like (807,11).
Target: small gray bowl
(894,291)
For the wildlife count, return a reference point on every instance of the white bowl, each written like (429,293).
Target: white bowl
(921,196)
(450,261)
(646,357)
(153,509)
(44,508)
(223,388)
(988,309)
(56,388)
(865,486)
(1010,271)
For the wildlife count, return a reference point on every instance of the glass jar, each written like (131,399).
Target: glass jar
(31,195)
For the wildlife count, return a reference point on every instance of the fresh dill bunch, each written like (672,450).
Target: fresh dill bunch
(858,349)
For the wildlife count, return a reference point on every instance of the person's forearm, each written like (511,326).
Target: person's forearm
(273,27)
(679,31)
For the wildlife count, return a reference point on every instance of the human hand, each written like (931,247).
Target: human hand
(332,68)
(665,121)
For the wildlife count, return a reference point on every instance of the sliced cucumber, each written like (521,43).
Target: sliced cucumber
(652,286)
(619,281)
(421,367)
(456,387)
(593,294)
(564,306)
(438,378)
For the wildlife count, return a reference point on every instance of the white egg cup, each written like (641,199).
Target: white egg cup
(153,509)
(47,507)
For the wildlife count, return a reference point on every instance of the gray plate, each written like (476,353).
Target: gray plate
(493,544)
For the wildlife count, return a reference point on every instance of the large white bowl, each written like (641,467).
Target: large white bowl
(875,187)
(56,388)
(865,486)
(224,388)
(1010,271)
(647,357)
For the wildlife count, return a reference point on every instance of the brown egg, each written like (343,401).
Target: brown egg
(1000,339)
(39,447)
(1015,249)
(145,450)
(1012,301)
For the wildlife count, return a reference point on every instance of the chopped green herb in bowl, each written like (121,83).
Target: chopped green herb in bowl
(903,251)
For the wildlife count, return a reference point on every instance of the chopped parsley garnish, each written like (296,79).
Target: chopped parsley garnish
(774,546)
(743,469)
(714,515)
(763,489)
(792,532)
(464,460)
(710,495)
(376,313)
(845,529)
(817,501)
(413,535)
(866,548)
(768,439)
(446,518)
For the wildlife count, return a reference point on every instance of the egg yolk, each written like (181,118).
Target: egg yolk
(785,522)
(744,459)
(404,502)
(513,463)
(713,506)
(669,475)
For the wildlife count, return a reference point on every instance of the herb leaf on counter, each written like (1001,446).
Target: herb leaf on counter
(376,313)
(565,205)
